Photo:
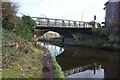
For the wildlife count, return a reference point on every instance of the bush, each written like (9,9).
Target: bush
(114,38)
(7,25)
(25,27)
(104,33)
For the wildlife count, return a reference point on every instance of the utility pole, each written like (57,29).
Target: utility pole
(82,17)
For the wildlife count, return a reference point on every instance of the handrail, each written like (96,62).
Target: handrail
(56,19)
(41,21)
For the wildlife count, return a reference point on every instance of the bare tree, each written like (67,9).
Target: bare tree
(9,10)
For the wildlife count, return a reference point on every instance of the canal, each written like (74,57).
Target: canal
(79,62)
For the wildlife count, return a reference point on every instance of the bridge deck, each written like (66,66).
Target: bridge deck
(50,22)
(72,27)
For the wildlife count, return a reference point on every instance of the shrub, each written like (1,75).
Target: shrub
(7,25)
(114,38)
(25,27)
(104,33)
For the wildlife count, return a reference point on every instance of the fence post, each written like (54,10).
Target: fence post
(79,23)
(69,23)
(38,19)
(63,23)
(74,23)
(55,22)
(48,22)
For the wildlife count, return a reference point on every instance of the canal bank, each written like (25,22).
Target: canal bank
(99,44)
(50,67)
(90,43)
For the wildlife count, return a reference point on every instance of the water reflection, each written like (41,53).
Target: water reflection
(88,71)
(54,50)
(88,74)
(78,62)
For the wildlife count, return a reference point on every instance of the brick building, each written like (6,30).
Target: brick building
(112,18)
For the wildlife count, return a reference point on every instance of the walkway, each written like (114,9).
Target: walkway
(47,70)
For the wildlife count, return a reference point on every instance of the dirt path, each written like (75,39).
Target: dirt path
(47,69)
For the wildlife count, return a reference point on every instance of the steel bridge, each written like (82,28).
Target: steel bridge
(71,30)
(51,22)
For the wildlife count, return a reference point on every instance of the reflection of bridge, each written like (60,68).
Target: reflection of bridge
(81,69)
(71,30)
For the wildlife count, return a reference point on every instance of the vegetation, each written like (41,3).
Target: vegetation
(104,33)
(103,39)
(25,27)
(19,62)
(9,10)
(57,69)
(19,58)
(114,38)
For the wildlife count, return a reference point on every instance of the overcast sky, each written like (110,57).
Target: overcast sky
(64,9)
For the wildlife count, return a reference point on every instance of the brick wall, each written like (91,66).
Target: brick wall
(112,18)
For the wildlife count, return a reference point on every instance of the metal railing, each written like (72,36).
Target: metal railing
(51,22)
(82,68)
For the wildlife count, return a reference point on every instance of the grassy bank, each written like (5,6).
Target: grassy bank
(23,61)
(57,69)
(19,58)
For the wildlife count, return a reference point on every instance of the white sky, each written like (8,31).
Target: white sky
(64,9)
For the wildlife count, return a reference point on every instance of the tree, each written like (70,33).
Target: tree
(9,10)
(95,28)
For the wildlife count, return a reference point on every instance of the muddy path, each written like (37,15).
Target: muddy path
(47,69)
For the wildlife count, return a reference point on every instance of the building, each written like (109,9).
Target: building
(112,17)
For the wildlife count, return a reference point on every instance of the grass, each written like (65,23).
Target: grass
(19,62)
(57,69)
(23,62)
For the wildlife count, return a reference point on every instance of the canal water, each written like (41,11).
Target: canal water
(79,62)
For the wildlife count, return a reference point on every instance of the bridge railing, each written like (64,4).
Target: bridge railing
(93,67)
(50,22)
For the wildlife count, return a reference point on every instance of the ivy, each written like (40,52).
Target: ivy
(25,27)
(7,25)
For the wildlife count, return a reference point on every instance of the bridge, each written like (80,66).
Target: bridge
(71,30)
